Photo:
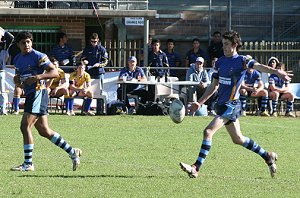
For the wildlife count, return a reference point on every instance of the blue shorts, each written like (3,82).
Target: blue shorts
(37,102)
(230,110)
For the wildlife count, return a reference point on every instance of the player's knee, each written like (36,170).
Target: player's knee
(89,94)
(243,92)
(264,93)
(24,128)
(207,133)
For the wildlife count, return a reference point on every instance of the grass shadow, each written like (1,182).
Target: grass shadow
(85,176)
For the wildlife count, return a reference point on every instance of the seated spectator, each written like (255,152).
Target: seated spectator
(63,52)
(272,62)
(279,89)
(80,82)
(57,87)
(210,69)
(197,73)
(174,60)
(157,58)
(249,88)
(194,53)
(132,73)
(215,48)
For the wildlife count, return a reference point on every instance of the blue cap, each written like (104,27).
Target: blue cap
(132,58)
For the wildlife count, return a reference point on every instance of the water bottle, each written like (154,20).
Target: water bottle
(74,61)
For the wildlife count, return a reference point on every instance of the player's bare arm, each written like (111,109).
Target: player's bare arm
(279,90)
(211,89)
(50,72)
(74,88)
(246,87)
(286,76)
(260,85)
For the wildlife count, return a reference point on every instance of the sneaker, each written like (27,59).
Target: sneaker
(89,113)
(290,114)
(16,112)
(131,111)
(76,158)
(264,114)
(70,113)
(275,114)
(212,113)
(272,163)
(189,169)
(23,167)
(243,113)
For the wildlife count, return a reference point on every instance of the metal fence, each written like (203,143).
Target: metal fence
(80,4)
(286,52)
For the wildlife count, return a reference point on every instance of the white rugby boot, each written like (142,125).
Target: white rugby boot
(189,169)
(76,158)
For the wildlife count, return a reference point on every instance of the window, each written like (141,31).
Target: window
(44,37)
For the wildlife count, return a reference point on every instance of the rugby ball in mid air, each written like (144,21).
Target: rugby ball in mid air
(177,111)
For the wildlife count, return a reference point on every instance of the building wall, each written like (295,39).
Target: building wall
(74,27)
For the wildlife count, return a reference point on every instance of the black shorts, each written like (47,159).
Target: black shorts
(37,102)
(230,110)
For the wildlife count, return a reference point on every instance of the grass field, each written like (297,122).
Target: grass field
(138,156)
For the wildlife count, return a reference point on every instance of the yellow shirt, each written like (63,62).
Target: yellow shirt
(56,80)
(79,81)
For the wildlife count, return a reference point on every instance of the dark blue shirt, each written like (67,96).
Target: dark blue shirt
(278,82)
(173,58)
(216,50)
(251,78)
(158,60)
(62,52)
(191,56)
(137,73)
(95,55)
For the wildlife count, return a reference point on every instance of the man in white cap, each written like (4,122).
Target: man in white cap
(197,73)
(132,73)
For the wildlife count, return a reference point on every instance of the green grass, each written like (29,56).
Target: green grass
(138,156)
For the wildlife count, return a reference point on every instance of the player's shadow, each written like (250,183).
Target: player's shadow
(85,176)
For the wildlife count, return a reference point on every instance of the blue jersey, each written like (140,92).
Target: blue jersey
(137,73)
(173,58)
(251,78)
(62,52)
(230,71)
(95,55)
(158,60)
(191,56)
(31,64)
(278,82)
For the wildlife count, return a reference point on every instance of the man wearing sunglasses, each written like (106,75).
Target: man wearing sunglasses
(97,58)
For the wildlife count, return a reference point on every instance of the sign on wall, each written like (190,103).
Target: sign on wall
(134,21)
